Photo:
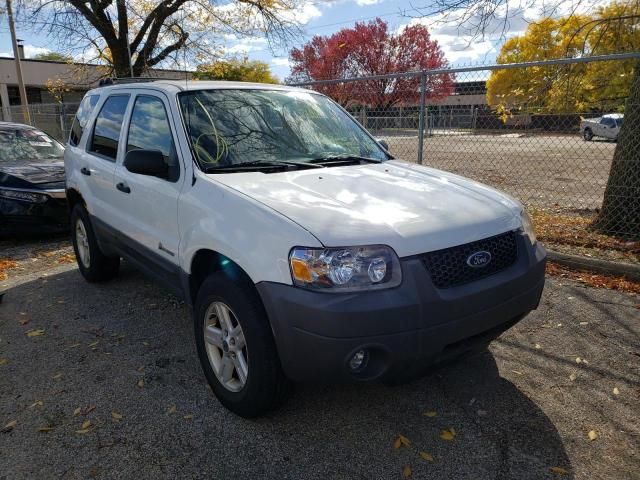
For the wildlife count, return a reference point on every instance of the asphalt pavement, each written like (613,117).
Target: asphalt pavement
(102,381)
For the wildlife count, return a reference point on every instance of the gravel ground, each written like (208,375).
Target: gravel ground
(127,347)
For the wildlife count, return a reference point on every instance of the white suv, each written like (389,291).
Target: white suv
(306,252)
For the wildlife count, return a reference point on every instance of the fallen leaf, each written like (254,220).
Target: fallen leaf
(430,414)
(140,383)
(592,435)
(90,408)
(37,403)
(93,344)
(146,344)
(426,456)
(516,372)
(141,369)
(584,323)
(538,346)
(172,409)
(77,411)
(57,376)
(75,345)
(9,426)
(84,430)
(573,377)
(86,424)
(23,321)
(578,360)
(38,332)
(3,361)
(45,429)
(397,443)
(616,391)
(448,435)
(406,471)
(559,470)
(188,417)
(404,440)
(116,415)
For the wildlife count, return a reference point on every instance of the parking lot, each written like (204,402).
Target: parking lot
(121,357)
(539,169)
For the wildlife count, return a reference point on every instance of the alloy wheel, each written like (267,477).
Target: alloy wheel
(226,346)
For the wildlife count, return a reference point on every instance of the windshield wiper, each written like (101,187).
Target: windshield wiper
(343,158)
(238,167)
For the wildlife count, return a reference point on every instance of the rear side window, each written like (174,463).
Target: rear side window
(82,117)
(106,132)
(149,130)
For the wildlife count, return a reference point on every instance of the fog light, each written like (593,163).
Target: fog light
(359,360)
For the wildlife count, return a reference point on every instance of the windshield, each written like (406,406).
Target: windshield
(27,144)
(232,127)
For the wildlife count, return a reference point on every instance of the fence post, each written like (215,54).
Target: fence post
(423,94)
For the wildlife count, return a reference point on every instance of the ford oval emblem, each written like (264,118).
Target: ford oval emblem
(479,259)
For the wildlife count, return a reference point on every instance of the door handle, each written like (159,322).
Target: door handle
(85,171)
(123,187)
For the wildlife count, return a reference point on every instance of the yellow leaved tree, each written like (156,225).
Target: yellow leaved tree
(574,88)
(239,70)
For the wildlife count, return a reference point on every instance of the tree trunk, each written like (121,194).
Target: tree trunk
(620,214)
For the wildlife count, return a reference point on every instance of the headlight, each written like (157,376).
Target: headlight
(31,197)
(345,269)
(527,226)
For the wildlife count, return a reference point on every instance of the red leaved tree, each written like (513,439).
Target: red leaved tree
(370,49)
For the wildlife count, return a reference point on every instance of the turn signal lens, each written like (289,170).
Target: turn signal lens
(301,271)
(345,269)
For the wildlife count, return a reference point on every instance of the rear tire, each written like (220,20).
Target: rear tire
(93,264)
(587,135)
(254,383)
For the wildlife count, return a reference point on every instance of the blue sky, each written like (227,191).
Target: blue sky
(323,17)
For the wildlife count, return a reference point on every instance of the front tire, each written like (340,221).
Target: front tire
(236,348)
(93,264)
(587,135)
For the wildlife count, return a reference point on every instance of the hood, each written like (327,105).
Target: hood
(411,208)
(30,174)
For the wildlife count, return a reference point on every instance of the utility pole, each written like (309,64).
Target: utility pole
(16,56)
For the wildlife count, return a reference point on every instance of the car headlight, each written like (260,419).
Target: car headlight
(527,226)
(345,269)
(31,197)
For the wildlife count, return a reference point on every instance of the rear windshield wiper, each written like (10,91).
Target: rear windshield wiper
(239,167)
(343,158)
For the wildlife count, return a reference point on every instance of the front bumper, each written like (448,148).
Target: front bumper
(17,216)
(405,329)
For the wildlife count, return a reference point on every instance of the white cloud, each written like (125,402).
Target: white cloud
(303,14)
(367,2)
(281,61)
(30,51)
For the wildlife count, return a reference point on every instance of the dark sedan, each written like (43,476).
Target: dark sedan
(32,193)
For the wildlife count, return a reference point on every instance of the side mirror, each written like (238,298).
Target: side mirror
(383,143)
(146,162)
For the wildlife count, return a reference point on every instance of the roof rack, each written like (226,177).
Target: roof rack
(113,80)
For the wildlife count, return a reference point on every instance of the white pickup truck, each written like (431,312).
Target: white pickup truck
(304,250)
(606,126)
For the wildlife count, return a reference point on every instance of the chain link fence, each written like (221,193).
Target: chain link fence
(53,118)
(545,132)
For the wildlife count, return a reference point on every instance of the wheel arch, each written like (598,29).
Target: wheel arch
(74,197)
(207,261)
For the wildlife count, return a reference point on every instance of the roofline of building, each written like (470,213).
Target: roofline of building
(81,64)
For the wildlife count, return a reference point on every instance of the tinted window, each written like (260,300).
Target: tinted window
(108,125)
(149,130)
(82,117)
(609,122)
